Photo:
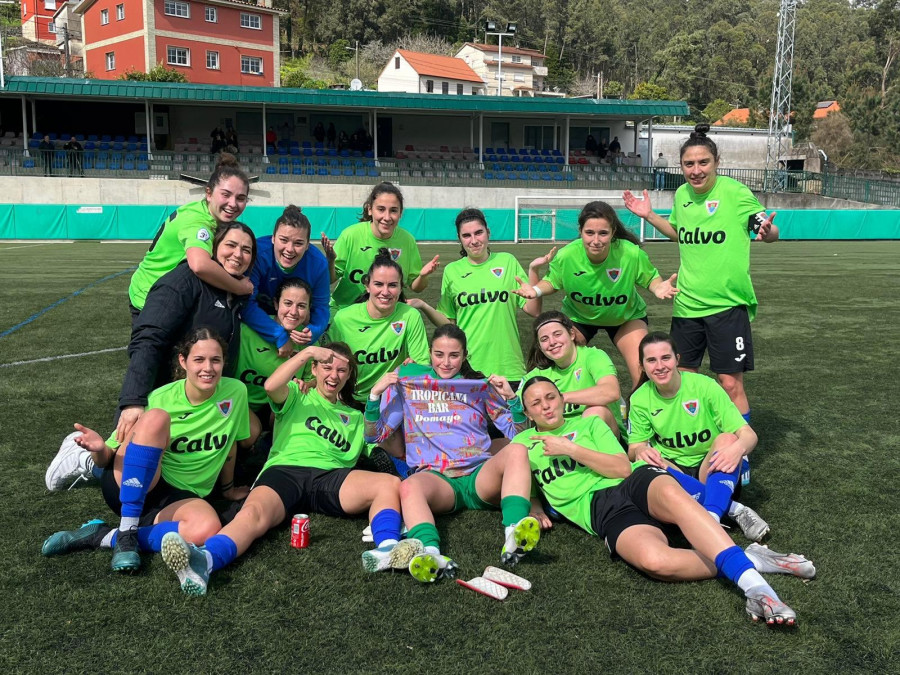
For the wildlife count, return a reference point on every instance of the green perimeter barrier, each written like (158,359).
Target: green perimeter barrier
(51,221)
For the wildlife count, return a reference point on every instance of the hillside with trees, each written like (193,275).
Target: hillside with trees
(715,54)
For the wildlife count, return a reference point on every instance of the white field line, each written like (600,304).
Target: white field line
(61,356)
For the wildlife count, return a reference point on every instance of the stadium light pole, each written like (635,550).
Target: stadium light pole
(490,28)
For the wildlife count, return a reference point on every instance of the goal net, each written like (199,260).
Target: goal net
(555,218)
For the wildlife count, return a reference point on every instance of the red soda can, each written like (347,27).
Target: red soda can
(300,531)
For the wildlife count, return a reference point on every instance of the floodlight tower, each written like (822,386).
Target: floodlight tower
(780,108)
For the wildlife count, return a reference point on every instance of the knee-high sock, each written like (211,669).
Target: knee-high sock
(513,508)
(221,549)
(150,536)
(386,527)
(691,485)
(733,564)
(138,469)
(719,488)
(427,534)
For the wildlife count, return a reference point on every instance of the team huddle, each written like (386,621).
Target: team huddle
(313,369)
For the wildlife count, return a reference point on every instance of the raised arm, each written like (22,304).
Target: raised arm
(436,317)
(611,465)
(420,283)
(643,209)
(603,393)
(382,418)
(277,384)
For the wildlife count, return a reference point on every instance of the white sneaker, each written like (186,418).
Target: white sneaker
(71,465)
(751,524)
(393,556)
(771,562)
(763,606)
(519,539)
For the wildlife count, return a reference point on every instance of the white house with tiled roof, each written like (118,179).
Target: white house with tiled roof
(523,70)
(418,73)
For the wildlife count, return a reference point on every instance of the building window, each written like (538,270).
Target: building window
(51,27)
(104,17)
(445,87)
(429,86)
(251,21)
(110,60)
(174,8)
(120,12)
(251,65)
(212,15)
(518,77)
(178,56)
(50,5)
(212,60)
(396,63)
(516,58)
(459,90)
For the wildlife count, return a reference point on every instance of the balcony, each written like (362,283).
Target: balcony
(540,71)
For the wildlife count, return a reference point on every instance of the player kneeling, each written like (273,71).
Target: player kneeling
(318,438)
(444,411)
(584,474)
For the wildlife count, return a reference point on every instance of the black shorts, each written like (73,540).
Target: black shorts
(590,331)
(306,490)
(615,509)
(161,496)
(726,335)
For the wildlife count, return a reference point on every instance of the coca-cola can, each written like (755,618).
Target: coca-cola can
(300,531)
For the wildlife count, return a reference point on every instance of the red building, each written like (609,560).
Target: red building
(212,42)
(37,20)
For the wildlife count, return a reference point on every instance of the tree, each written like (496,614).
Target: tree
(716,110)
(338,52)
(834,135)
(158,73)
(646,91)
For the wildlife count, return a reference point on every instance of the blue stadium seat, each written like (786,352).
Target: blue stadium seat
(271,169)
(310,171)
(28,163)
(373,173)
(284,170)
(297,170)
(143,166)
(323,171)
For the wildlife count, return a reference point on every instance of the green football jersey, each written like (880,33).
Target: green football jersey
(684,427)
(356,248)
(602,294)
(257,360)
(585,371)
(714,245)
(200,436)
(311,431)
(568,485)
(479,299)
(189,227)
(380,345)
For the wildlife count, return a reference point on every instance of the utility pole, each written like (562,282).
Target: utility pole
(355,49)
(600,85)
(780,107)
(66,50)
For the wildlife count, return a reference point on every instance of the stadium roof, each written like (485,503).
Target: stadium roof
(174,92)
(448,67)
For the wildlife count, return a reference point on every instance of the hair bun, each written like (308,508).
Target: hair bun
(700,130)
(226,159)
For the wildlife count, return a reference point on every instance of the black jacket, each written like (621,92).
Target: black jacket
(177,303)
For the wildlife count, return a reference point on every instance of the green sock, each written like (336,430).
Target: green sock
(513,509)
(426,533)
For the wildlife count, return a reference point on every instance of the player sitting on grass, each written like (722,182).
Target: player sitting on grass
(696,431)
(317,440)
(585,475)
(179,447)
(444,411)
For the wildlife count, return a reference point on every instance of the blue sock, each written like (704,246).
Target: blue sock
(386,525)
(719,489)
(138,469)
(691,485)
(222,549)
(150,536)
(746,416)
(732,563)
(96,472)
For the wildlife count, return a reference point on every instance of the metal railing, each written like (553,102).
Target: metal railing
(287,168)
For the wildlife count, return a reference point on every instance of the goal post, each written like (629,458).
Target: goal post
(555,218)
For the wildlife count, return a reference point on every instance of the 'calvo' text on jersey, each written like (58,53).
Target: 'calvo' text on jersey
(695,236)
(208,442)
(356,276)
(685,440)
(468,299)
(558,468)
(251,376)
(336,438)
(599,300)
(381,356)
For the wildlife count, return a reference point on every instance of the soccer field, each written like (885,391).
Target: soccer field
(825,477)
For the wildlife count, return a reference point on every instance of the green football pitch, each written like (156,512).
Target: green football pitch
(825,476)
